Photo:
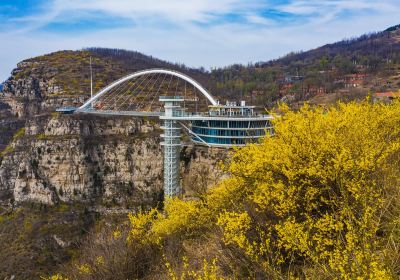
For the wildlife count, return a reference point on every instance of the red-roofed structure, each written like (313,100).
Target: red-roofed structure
(386,96)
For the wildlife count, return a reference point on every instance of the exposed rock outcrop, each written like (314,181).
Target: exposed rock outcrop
(73,158)
(87,158)
(32,89)
(112,160)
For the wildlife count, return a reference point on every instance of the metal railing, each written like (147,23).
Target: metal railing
(163,97)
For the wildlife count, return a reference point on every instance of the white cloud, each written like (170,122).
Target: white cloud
(177,11)
(326,6)
(209,45)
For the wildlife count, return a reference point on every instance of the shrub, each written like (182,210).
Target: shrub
(19,134)
(41,136)
(9,149)
(319,200)
(317,192)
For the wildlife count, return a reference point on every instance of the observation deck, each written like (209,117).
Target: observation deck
(174,98)
(226,125)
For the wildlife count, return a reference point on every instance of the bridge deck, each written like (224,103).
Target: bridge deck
(120,113)
(180,117)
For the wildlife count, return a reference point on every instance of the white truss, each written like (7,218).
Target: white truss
(188,79)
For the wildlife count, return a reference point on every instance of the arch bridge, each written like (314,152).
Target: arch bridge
(138,94)
(180,102)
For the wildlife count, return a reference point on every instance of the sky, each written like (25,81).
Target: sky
(208,33)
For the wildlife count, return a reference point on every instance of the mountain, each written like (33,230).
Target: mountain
(43,83)
(100,168)
(60,175)
(345,70)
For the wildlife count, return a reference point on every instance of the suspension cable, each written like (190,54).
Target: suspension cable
(111,95)
(130,92)
(158,90)
(184,98)
(153,94)
(195,99)
(122,90)
(137,96)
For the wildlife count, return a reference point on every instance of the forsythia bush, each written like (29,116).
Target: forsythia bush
(318,192)
(54,277)
(317,197)
(318,200)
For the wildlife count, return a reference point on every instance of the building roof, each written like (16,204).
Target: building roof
(387,94)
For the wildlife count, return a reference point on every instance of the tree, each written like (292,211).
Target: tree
(323,62)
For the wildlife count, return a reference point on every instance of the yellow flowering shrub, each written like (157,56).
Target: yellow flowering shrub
(317,189)
(236,226)
(85,269)
(117,234)
(208,271)
(140,224)
(54,277)
(179,217)
(321,193)
(100,260)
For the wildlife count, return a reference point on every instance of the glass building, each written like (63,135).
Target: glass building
(230,125)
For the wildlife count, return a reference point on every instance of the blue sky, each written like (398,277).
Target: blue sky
(205,33)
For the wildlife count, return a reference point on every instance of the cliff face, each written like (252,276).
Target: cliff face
(32,89)
(48,158)
(86,158)
(81,158)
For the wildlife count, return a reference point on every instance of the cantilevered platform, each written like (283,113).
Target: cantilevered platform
(169,95)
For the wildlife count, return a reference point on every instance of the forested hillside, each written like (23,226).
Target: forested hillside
(348,69)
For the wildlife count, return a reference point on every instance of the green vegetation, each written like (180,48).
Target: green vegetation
(9,149)
(55,115)
(20,133)
(319,200)
(29,238)
(303,75)
(42,136)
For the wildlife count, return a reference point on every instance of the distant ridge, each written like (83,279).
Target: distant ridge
(393,28)
(348,69)
(378,44)
(345,70)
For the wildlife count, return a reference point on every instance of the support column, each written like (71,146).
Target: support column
(172,145)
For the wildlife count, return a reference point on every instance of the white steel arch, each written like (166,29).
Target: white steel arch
(150,71)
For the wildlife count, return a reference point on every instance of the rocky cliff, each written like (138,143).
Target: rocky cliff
(49,158)
(86,158)
(33,89)
(70,158)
